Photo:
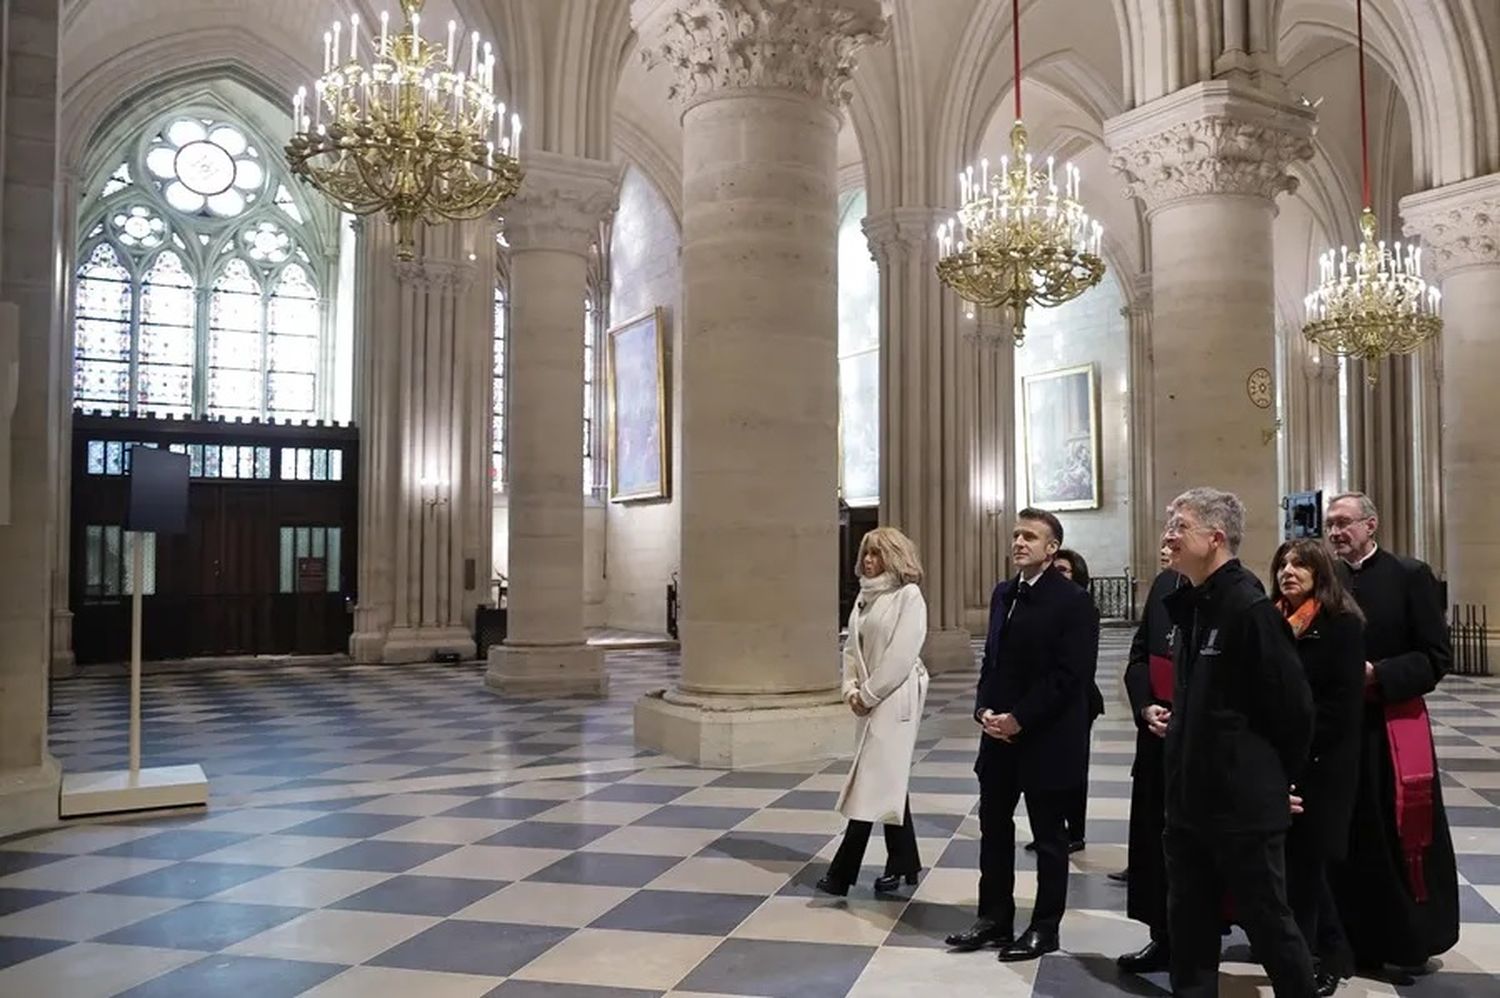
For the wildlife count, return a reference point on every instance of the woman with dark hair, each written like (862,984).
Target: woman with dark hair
(1329,629)
(1070,564)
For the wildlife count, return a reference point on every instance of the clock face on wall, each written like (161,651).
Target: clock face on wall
(1258,387)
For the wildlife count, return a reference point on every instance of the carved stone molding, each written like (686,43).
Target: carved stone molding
(561,203)
(435,275)
(901,233)
(805,47)
(1211,139)
(1458,224)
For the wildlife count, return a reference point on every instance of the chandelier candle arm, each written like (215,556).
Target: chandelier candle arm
(1373,303)
(406,133)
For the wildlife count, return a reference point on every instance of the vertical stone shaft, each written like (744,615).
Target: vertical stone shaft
(1209,162)
(552,227)
(763,82)
(1460,229)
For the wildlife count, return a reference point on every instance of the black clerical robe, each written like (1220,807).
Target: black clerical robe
(1146,890)
(1406,638)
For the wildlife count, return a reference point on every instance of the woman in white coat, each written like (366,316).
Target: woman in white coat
(885,686)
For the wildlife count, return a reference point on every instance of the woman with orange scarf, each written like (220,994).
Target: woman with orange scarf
(1329,628)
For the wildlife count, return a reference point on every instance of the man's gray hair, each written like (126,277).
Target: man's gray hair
(1217,509)
(1367,510)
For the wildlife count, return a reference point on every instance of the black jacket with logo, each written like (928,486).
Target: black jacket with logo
(1242,717)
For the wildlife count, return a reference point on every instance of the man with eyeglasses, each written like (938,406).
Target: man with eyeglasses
(1237,737)
(1397,892)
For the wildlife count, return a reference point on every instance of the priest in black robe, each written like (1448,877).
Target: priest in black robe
(1397,892)
(1148,684)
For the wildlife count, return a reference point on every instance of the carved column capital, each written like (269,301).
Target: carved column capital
(1214,138)
(561,203)
(435,275)
(1458,224)
(901,233)
(805,47)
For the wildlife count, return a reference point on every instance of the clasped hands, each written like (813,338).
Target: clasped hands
(856,704)
(1002,726)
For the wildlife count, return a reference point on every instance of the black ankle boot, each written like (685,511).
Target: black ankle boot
(829,884)
(889,882)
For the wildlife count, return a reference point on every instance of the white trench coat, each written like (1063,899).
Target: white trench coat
(881,663)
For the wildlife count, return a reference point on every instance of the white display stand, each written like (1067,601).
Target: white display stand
(134,789)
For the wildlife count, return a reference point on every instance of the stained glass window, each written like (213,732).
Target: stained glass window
(197,294)
(497,420)
(859,359)
(167,347)
(101,372)
(236,308)
(588,396)
(294,325)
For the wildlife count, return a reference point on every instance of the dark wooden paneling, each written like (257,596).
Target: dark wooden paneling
(217,586)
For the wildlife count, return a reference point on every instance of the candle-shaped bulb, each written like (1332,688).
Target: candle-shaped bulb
(385,28)
(515,133)
(452,45)
(984,175)
(416,35)
(354,38)
(327,51)
(337,48)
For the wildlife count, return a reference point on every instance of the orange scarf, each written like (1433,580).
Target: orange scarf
(1301,618)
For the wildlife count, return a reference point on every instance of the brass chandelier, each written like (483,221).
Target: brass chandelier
(1018,240)
(408,131)
(1372,303)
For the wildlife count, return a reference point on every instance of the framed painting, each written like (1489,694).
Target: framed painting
(639,442)
(1060,413)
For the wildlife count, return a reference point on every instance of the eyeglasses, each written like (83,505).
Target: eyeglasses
(1343,522)
(1177,526)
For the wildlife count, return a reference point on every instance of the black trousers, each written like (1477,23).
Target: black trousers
(900,849)
(998,795)
(1252,867)
(1078,807)
(1312,904)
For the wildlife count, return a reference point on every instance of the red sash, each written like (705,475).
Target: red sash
(1410,736)
(1161,677)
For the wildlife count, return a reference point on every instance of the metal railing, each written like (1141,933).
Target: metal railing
(1468,627)
(1114,595)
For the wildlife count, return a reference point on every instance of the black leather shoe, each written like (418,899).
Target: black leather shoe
(1121,876)
(1077,845)
(828,885)
(1147,960)
(982,933)
(1326,984)
(1030,946)
(889,882)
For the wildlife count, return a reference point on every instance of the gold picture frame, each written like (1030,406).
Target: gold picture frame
(640,437)
(1060,427)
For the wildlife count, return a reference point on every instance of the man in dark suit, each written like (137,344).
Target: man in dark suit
(1033,708)
(1397,892)
(1237,739)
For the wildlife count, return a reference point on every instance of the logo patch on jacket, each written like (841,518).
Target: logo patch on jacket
(1210,643)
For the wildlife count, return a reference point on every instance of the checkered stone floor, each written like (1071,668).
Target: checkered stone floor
(396,831)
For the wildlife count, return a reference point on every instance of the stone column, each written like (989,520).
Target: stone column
(551,226)
(924,454)
(1208,162)
(987,383)
(64,664)
(763,82)
(424,416)
(1460,227)
(1146,519)
(31,227)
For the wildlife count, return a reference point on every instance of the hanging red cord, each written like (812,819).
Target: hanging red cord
(1364,128)
(1015,34)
